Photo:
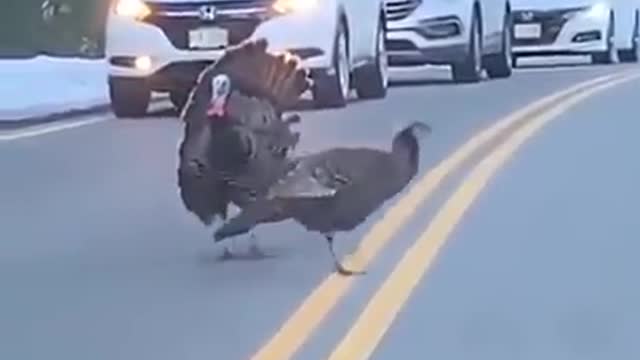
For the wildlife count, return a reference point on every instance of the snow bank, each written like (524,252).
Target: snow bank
(46,85)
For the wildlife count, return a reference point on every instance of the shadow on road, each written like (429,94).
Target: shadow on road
(553,63)
(554,66)
(167,112)
(420,82)
(215,255)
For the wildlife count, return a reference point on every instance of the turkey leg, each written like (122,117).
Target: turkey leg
(339,267)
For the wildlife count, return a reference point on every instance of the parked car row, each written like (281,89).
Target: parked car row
(161,45)
(605,30)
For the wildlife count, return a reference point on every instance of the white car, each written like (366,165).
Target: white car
(468,35)
(598,28)
(161,45)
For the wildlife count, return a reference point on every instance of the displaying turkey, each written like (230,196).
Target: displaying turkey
(236,139)
(335,190)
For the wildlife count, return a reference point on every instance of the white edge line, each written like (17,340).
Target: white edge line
(21,134)
(61,125)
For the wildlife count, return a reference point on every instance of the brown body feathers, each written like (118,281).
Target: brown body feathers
(263,86)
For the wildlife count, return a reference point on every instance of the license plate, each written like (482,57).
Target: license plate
(208,38)
(528,31)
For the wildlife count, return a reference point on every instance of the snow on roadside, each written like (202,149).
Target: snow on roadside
(46,85)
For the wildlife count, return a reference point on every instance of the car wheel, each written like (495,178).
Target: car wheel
(179,97)
(332,90)
(470,69)
(372,80)
(129,97)
(500,65)
(609,55)
(634,54)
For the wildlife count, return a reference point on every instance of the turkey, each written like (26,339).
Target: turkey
(236,138)
(335,190)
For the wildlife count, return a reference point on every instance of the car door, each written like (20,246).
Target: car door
(362,16)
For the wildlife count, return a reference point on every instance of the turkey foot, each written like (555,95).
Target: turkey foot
(228,254)
(254,250)
(339,267)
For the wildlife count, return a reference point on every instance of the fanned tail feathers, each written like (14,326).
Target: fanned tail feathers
(257,72)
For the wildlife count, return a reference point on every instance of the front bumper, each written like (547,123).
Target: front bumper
(433,32)
(163,38)
(563,32)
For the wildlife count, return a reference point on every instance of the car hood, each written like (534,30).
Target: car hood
(551,4)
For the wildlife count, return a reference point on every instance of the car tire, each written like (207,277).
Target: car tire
(129,97)
(332,90)
(608,56)
(633,54)
(179,97)
(372,80)
(500,65)
(470,69)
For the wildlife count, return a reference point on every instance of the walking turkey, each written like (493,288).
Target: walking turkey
(236,139)
(335,190)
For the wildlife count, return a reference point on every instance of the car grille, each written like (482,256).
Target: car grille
(239,17)
(400,9)
(195,5)
(551,22)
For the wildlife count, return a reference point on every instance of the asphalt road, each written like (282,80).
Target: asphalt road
(99,260)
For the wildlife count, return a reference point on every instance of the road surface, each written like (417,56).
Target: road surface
(99,260)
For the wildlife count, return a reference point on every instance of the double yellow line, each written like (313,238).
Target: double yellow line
(379,313)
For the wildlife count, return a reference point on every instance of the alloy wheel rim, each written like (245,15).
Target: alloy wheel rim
(636,40)
(476,50)
(383,61)
(612,50)
(507,44)
(610,44)
(343,66)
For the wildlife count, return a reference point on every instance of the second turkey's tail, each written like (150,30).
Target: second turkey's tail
(406,145)
(416,130)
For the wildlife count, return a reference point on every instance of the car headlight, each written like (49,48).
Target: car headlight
(136,9)
(287,6)
(598,10)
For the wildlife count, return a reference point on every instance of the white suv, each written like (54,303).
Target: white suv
(468,35)
(161,45)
